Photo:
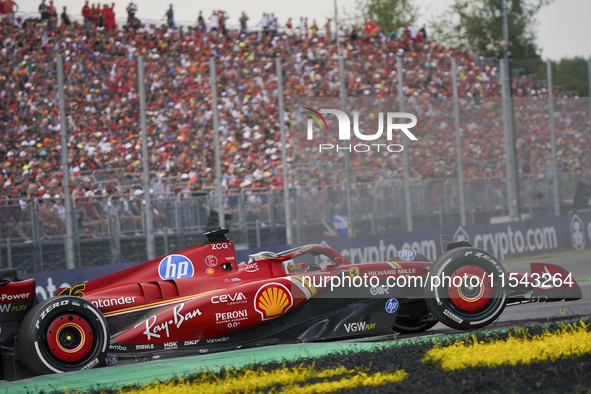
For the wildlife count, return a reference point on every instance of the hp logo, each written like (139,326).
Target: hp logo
(407,254)
(392,305)
(175,266)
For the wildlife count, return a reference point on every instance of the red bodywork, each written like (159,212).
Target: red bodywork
(200,300)
(189,296)
(202,296)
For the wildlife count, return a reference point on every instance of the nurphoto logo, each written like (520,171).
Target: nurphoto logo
(344,123)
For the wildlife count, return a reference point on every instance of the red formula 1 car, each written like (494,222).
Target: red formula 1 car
(200,300)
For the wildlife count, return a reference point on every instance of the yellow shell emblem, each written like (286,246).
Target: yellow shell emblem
(273,300)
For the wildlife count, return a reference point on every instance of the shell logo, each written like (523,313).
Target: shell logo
(272,300)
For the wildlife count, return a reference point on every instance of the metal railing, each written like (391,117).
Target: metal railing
(112,229)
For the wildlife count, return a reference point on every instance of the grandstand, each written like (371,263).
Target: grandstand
(102,103)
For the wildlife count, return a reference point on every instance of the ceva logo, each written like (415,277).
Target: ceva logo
(175,266)
(345,130)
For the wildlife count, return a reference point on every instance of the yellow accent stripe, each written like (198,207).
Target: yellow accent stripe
(572,341)
(290,381)
(306,286)
(162,303)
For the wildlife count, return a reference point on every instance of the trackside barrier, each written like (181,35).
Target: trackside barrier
(504,240)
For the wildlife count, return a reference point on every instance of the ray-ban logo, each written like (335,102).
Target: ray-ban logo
(344,130)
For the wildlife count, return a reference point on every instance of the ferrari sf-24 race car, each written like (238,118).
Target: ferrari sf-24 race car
(200,300)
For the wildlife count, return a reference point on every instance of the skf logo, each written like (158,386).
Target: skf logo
(175,266)
(345,130)
(272,300)
(353,272)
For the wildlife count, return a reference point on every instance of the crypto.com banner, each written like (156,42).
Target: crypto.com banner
(510,240)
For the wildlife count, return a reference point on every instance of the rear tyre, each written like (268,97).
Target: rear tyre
(63,334)
(414,318)
(464,300)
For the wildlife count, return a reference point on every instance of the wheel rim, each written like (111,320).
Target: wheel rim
(471,295)
(69,338)
(475,303)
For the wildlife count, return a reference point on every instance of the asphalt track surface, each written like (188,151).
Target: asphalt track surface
(118,376)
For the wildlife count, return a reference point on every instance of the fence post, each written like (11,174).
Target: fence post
(270,210)
(216,141)
(9,253)
(375,206)
(553,138)
(336,27)
(149,222)
(257,226)
(299,214)
(488,195)
(177,213)
(182,222)
(589,83)
(36,229)
(511,173)
(117,238)
(165,234)
(242,214)
(529,186)
(114,230)
(343,95)
(69,244)
(456,99)
(283,152)
(110,233)
(409,226)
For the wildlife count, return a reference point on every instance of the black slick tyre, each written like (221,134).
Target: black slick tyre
(62,334)
(474,293)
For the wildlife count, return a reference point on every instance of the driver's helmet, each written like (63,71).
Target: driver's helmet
(261,256)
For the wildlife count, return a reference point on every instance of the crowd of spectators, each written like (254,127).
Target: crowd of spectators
(102,103)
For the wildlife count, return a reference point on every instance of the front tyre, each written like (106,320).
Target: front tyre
(473,288)
(63,334)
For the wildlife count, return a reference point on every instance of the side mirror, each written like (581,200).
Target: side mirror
(338,261)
